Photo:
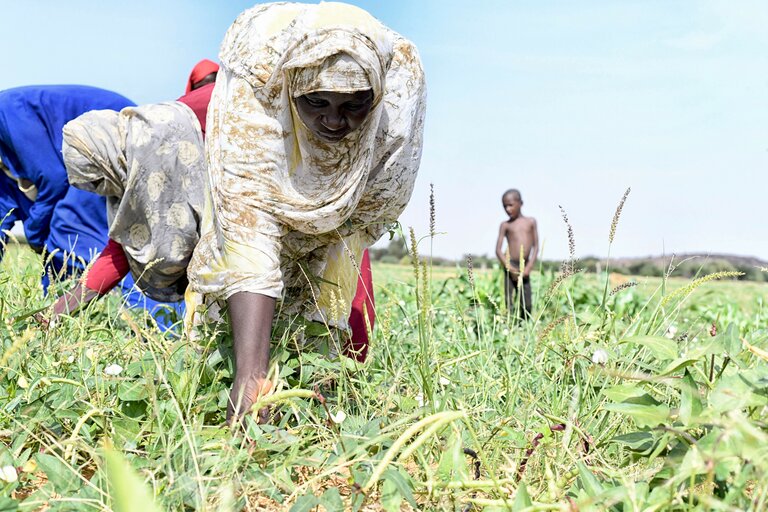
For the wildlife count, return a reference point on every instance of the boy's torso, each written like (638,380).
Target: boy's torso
(519,232)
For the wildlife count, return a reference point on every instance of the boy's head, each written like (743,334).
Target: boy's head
(512,202)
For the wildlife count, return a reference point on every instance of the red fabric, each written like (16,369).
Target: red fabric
(198,101)
(362,304)
(109,269)
(201,70)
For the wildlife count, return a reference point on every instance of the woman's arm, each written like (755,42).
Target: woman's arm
(109,269)
(251,315)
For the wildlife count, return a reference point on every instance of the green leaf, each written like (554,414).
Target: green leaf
(390,496)
(305,503)
(65,480)
(644,415)
(690,399)
(8,505)
(693,464)
(403,484)
(662,348)
(522,499)
(331,500)
(638,442)
(731,341)
(732,393)
(589,482)
(622,392)
(132,391)
(315,329)
(453,463)
(678,364)
(128,491)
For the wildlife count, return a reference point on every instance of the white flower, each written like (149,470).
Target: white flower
(505,332)
(671,331)
(338,416)
(600,356)
(22,382)
(420,399)
(90,355)
(8,474)
(71,359)
(444,381)
(113,369)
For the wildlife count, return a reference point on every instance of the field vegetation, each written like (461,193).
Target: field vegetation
(619,394)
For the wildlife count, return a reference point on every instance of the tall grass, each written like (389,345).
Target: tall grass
(619,400)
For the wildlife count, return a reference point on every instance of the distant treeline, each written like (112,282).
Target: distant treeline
(688,265)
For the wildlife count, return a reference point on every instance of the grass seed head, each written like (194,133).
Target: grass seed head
(617,214)
(623,286)
(432,210)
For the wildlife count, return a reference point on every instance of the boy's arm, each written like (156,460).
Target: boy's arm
(531,264)
(500,244)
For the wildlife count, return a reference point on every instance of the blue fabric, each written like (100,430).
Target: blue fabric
(31,122)
(68,222)
(13,206)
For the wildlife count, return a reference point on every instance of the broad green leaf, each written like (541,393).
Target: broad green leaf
(622,392)
(403,484)
(128,491)
(690,399)
(132,391)
(331,500)
(8,505)
(64,479)
(693,464)
(453,463)
(678,364)
(522,499)
(589,482)
(662,348)
(644,415)
(390,496)
(733,393)
(305,503)
(664,441)
(639,442)
(731,341)
(644,399)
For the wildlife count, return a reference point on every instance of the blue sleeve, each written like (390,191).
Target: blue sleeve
(7,217)
(41,164)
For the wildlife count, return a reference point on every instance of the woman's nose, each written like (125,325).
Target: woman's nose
(334,121)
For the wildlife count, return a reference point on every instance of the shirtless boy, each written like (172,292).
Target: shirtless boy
(521,235)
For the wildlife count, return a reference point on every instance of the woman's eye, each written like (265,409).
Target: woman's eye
(315,102)
(354,106)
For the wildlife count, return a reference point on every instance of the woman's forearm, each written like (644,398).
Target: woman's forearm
(251,315)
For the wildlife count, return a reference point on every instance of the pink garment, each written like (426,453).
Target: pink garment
(202,69)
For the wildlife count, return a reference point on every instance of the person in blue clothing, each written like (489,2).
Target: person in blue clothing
(67,224)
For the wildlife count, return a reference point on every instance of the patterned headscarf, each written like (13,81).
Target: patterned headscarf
(337,73)
(281,196)
(148,162)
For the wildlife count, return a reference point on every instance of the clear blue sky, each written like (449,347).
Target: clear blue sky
(571,102)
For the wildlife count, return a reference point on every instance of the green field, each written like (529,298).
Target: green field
(629,401)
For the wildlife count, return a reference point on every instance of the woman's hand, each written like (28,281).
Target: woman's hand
(243,396)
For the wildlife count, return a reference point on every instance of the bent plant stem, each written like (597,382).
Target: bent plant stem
(435,421)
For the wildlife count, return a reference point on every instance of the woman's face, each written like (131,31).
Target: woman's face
(333,115)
